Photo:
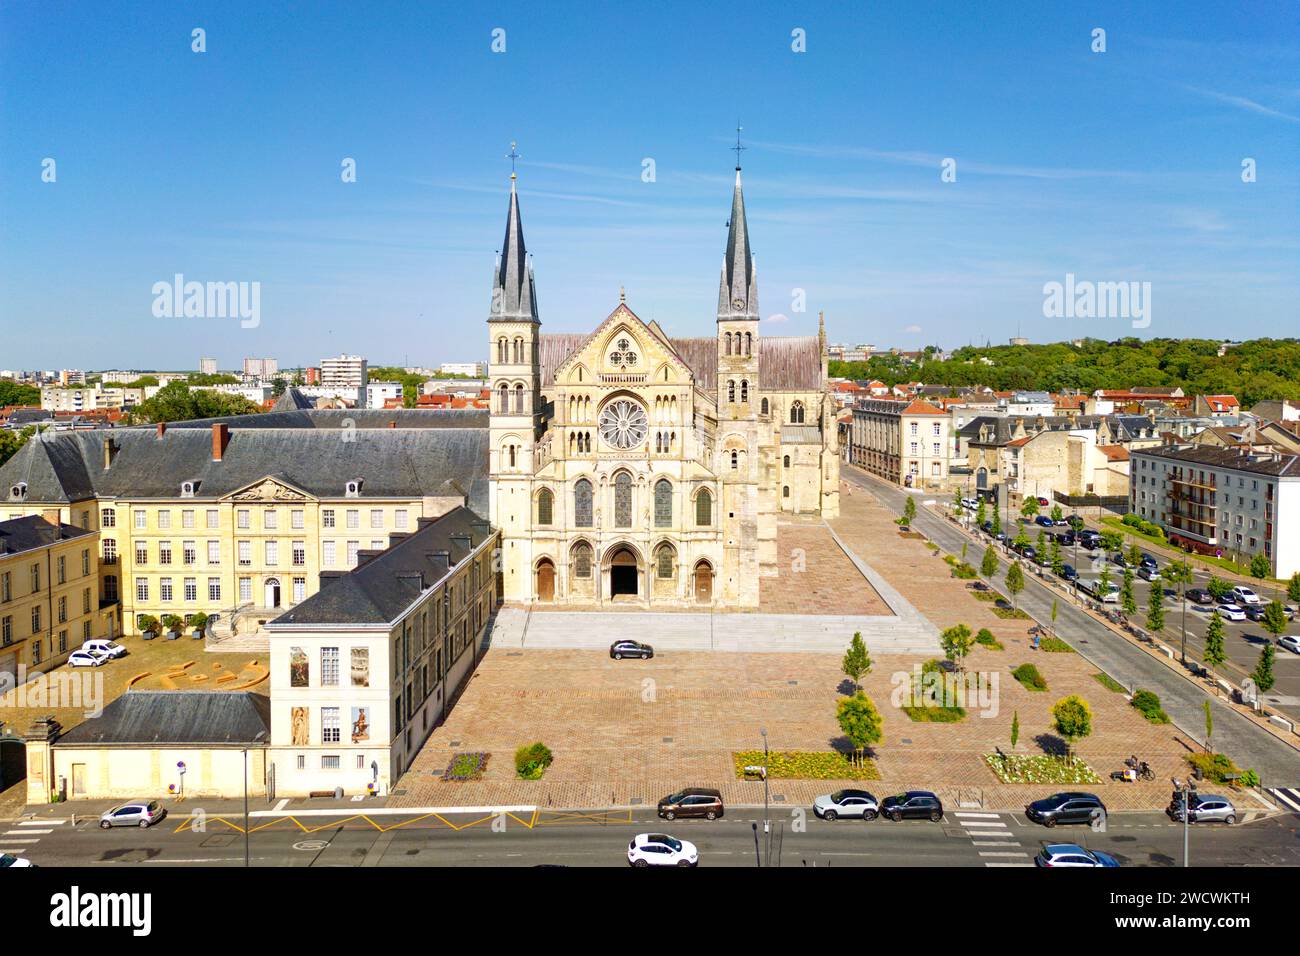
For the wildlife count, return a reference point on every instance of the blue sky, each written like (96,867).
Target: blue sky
(225,166)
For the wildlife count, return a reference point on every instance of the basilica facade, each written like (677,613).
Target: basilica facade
(630,467)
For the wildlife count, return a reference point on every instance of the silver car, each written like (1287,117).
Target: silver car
(1209,808)
(1291,642)
(846,803)
(141,814)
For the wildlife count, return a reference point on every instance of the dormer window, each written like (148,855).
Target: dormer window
(18,491)
(187,488)
(353,488)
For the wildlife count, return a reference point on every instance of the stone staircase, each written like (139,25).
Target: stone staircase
(239,631)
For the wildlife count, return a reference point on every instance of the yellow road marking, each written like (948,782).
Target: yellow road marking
(531,822)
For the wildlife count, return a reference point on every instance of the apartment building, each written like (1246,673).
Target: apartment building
(345,371)
(363,671)
(1237,502)
(49,594)
(904,442)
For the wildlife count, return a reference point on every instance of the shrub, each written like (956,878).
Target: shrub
(1028,676)
(1054,645)
(985,638)
(531,760)
(1148,704)
(1214,767)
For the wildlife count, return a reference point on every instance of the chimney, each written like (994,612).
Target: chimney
(392,424)
(162,429)
(110,452)
(220,439)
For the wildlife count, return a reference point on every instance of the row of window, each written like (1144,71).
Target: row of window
(270,518)
(190,590)
(35,576)
(8,635)
(663,504)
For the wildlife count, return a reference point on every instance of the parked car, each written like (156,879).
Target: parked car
(1206,808)
(692,802)
(660,849)
(1118,559)
(1070,854)
(1147,561)
(1043,520)
(1233,612)
(1068,572)
(987,526)
(1028,552)
(8,860)
(141,813)
(1075,522)
(87,659)
(1065,539)
(1061,523)
(1291,642)
(1243,595)
(1066,807)
(970,504)
(621,649)
(1255,612)
(1042,502)
(913,805)
(1199,596)
(1149,574)
(846,803)
(105,647)
(1090,539)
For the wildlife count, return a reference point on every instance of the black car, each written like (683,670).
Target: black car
(1199,596)
(1090,540)
(1028,552)
(987,527)
(1066,807)
(913,805)
(1148,562)
(621,649)
(1119,559)
(1068,572)
(1065,539)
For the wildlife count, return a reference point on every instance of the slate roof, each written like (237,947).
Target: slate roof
(33,531)
(358,417)
(392,462)
(1283,466)
(292,400)
(145,718)
(379,589)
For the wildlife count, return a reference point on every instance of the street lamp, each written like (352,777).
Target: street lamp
(767,826)
(1186,790)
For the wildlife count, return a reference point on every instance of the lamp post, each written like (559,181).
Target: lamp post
(1186,790)
(767,826)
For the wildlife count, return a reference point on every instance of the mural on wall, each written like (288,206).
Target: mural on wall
(300,726)
(360,667)
(360,724)
(299,669)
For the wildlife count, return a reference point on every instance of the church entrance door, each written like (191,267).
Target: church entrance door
(623,573)
(545,580)
(703,583)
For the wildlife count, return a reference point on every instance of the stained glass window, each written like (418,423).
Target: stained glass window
(582,560)
(704,508)
(582,503)
(623,500)
(544,503)
(663,503)
(664,562)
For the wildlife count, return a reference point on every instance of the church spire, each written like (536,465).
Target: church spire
(513,293)
(738,287)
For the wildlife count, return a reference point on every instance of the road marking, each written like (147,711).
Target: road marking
(23,841)
(1289,797)
(40,823)
(398,811)
(1008,864)
(1003,853)
(987,816)
(281,805)
(21,832)
(994,843)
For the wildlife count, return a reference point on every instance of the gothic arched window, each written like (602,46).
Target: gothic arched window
(796,413)
(623,500)
(787,461)
(704,508)
(665,559)
(581,560)
(663,503)
(545,506)
(765,406)
(582,503)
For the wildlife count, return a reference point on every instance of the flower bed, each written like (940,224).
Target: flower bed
(1039,768)
(806,765)
(466,766)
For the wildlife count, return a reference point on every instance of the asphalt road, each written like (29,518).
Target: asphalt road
(600,839)
(1277,764)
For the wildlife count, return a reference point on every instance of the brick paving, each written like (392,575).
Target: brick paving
(814,576)
(606,720)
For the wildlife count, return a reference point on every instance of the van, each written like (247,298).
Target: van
(692,802)
(103,646)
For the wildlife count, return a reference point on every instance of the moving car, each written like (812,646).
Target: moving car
(660,849)
(1243,595)
(1233,612)
(140,813)
(8,861)
(87,659)
(1071,854)
(913,805)
(1206,808)
(1291,642)
(105,647)
(846,803)
(1255,612)
(621,649)
(1066,807)
(692,802)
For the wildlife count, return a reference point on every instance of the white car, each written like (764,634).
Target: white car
(8,860)
(1233,612)
(1291,642)
(846,803)
(660,849)
(1243,595)
(86,659)
(105,647)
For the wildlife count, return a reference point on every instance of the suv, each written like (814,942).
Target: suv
(621,649)
(1066,808)
(1243,595)
(692,802)
(1071,854)
(915,804)
(1090,539)
(846,803)
(1199,596)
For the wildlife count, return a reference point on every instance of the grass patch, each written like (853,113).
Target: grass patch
(806,765)
(1039,768)
(985,595)
(985,638)
(1030,679)
(1054,645)
(935,715)
(1110,683)
(466,766)
(1010,613)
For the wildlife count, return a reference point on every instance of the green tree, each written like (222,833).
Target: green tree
(1015,581)
(1072,719)
(1292,586)
(860,721)
(1021,540)
(1215,654)
(177,402)
(982,515)
(857,662)
(1218,587)
(1030,508)
(1126,598)
(909,511)
(997,522)
(10,442)
(1156,608)
(956,499)
(989,563)
(1015,728)
(1103,581)
(1274,620)
(1263,672)
(1057,514)
(1054,615)
(1260,566)
(1134,555)
(1111,541)
(1058,562)
(278,387)
(15,393)
(1040,544)
(957,642)
(1209,725)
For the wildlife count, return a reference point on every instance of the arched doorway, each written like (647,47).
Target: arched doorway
(546,580)
(703,582)
(624,571)
(272,592)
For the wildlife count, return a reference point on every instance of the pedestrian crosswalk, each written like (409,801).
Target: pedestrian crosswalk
(23,836)
(1288,798)
(994,840)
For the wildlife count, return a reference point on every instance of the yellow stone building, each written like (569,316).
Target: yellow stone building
(631,466)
